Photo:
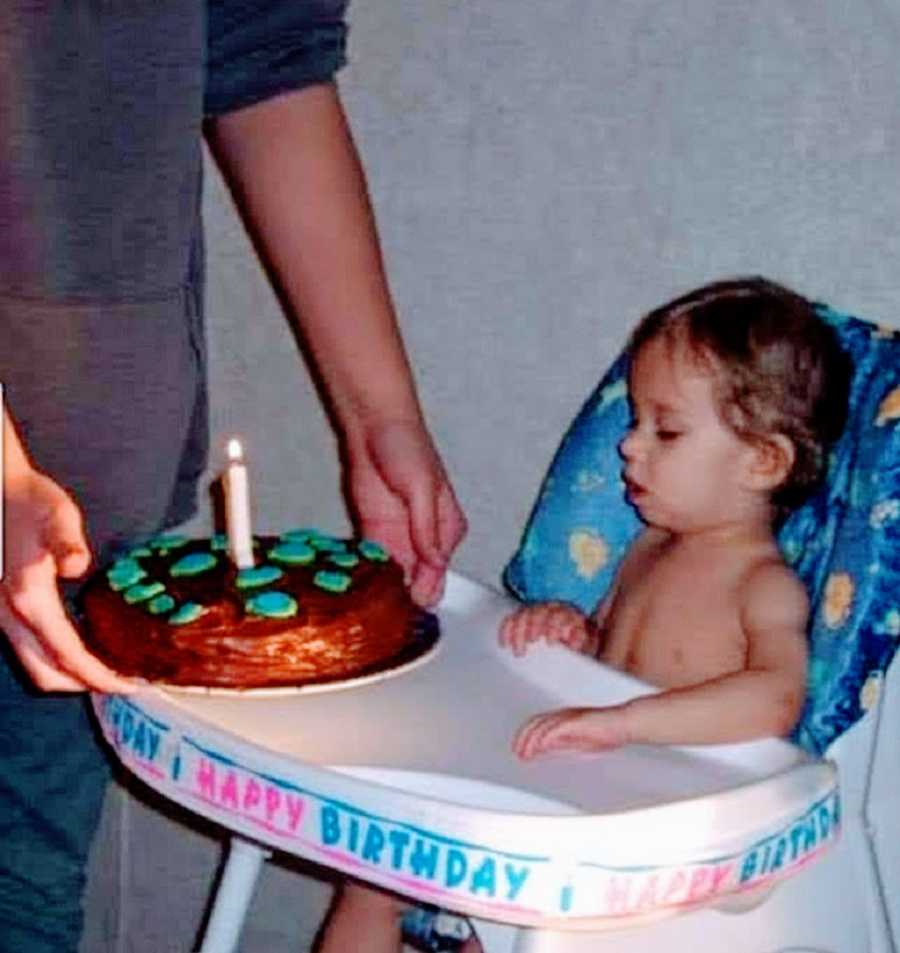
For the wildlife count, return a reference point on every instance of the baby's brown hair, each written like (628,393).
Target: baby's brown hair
(777,367)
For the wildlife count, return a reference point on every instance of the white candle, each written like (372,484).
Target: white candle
(237,507)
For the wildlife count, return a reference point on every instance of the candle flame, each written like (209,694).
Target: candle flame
(235,450)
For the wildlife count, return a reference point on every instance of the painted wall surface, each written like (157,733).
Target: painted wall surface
(542,175)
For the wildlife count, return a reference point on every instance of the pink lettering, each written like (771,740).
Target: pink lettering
(206,778)
(229,792)
(647,897)
(617,895)
(720,875)
(273,802)
(675,888)
(698,886)
(252,794)
(295,807)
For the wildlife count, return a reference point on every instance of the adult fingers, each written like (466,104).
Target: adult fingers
(427,584)
(40,668)
(35,605)
(65,538)
(422,504)
(451,521)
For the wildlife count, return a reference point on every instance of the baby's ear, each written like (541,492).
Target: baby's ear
(772,458)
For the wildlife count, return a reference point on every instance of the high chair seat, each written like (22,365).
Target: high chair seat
(843,542)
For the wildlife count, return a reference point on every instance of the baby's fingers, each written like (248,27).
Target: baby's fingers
(520,629)
(531,738)
(571,729)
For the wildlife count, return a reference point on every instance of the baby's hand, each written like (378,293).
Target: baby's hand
(571,729)
(553,621)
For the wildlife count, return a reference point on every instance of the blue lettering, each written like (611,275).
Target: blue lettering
(424,859)
(331,825)
(399,840)
(748,868)
(456,867)
(796,834)
(353,838)
(778,859)
(565,898)
(485,878)
(140,738)
(374,844)
(516,880)
(810,835)
(154,737)
(127,727)
(824,822)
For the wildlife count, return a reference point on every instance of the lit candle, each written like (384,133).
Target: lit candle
(237,507)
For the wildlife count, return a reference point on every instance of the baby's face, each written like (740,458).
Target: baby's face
(684,467)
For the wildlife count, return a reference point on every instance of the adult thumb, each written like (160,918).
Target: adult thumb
(66,540)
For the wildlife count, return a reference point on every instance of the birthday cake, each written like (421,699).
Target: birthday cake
(313,609)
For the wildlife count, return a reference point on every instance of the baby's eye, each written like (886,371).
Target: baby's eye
(664,434)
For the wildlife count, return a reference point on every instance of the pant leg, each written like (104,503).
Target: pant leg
(53,779)
(101,354)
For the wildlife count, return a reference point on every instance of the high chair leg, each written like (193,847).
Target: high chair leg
(233,896)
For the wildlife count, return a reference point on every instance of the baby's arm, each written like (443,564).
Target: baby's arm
(762,700)
(553,621)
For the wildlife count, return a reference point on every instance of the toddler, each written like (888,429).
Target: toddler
(736,391)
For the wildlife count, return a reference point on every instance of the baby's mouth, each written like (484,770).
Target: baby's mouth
(633,488)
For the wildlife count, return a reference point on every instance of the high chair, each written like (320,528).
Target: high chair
(317,776)
(844,543)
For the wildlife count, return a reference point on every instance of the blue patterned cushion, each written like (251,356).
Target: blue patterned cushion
(844,542)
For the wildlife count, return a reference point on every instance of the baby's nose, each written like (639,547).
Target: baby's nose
(628,445)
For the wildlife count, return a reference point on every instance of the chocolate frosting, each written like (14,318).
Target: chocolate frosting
(331,619)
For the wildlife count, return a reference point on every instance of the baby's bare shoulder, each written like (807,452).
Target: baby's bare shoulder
(772,597)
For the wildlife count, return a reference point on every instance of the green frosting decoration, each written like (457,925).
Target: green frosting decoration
(373,551)
(218,543)
(143,591)
(293,553)
(327,544)
(298,535)
(189,612)
(193,564)
(332,581)
(344,560)
(139,552)
(272,604)
(257,576)
(124,573)
(168,542)
(159,605)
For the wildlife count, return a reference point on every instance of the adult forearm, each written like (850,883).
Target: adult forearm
(16,463)
(294,168)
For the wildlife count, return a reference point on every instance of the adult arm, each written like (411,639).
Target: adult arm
(293,167)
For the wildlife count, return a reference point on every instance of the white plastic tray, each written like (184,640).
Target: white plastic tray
(410,783)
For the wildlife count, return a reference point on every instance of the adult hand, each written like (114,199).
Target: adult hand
(45,540)
(402,498)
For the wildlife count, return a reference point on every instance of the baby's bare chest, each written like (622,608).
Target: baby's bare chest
(677,621)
